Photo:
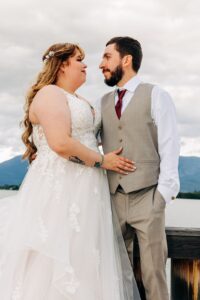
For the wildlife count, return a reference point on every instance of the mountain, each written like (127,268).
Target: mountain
(189,172)
(13,171)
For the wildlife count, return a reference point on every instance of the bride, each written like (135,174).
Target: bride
(59,240)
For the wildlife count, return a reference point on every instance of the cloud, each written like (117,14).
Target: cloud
(168,31)
(190,146)
(10,132)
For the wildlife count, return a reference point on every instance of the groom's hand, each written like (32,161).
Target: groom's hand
(119,164)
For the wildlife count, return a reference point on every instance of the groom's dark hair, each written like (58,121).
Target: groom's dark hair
(127,45)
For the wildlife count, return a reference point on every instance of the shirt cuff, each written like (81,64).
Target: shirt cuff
(167,194)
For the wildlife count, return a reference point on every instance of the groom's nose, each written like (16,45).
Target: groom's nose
(101,65)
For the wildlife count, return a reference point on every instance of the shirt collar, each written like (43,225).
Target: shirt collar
(131,85)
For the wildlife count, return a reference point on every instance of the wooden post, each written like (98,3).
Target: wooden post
(185,284)
(184,251)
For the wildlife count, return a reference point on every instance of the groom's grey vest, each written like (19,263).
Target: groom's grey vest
(137,134)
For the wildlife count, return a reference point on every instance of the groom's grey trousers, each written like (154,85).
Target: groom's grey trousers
(144,210)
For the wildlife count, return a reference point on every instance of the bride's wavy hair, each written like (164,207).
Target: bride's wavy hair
(52,58)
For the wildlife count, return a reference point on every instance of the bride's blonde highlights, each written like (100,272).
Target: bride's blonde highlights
(48,75)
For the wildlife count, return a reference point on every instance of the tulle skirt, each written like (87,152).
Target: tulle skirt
(59,239)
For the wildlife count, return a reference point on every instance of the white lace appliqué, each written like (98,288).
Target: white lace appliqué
(73,212)
(17,293)
(69,283)
(43,233)
(72,284)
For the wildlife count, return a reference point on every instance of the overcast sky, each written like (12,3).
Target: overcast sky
(169,31)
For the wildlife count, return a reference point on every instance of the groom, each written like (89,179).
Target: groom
(141,118)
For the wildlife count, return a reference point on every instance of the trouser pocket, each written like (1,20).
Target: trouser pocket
(158,201)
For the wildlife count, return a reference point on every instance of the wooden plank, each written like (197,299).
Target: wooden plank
(183,243)
(183,231)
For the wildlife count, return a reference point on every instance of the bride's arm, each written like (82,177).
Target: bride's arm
(51,111)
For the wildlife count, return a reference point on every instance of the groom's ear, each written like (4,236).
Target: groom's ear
(127,60)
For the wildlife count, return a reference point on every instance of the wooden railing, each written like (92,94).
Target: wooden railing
(184,251)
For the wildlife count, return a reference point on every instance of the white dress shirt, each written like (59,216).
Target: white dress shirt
(164,116)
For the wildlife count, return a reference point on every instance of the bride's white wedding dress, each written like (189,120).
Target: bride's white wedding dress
(57,240)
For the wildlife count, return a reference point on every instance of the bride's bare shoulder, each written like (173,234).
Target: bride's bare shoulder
(49,90)
(49,94)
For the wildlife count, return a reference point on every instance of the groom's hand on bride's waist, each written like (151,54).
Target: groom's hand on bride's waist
(119,164)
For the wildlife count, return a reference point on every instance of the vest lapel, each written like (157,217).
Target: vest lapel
(112,106)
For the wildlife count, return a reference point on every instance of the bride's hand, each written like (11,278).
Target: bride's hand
(119,164)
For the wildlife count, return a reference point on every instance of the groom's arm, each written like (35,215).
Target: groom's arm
(164,115)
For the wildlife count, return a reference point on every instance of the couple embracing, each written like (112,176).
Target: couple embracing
(64,233)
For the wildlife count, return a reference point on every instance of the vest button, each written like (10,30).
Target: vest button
(119,127)
(120,140)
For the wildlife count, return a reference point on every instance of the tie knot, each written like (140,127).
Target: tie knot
(121,93)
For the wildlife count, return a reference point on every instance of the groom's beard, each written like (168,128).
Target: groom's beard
(116,76)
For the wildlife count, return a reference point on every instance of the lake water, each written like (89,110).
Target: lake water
(179,213)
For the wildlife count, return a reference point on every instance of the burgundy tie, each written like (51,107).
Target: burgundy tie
(118,106)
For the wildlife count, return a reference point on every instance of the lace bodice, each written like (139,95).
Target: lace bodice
(85,124)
